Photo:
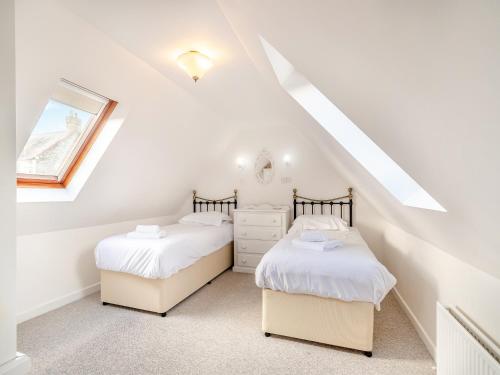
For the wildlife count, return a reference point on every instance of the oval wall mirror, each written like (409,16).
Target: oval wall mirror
(264,167)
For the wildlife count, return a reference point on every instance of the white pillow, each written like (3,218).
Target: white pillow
(318,222)
(206,218)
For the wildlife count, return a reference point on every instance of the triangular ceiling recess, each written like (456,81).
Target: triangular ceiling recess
(357,143)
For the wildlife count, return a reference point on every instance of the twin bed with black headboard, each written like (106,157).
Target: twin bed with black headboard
(326,296)
(156,274)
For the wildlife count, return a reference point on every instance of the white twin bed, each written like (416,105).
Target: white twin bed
(322,296)
(348,273)
(182,246)
(156,274)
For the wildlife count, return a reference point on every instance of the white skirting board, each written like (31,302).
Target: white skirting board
(18,366)
(58,302)
(416,324)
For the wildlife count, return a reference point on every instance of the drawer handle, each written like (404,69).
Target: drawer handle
(274,220)
(244,247)
(244,261)
(274,235)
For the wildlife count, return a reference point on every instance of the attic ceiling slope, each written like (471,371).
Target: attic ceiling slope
(384,169)
(149,168)
(158,31)
(413,100)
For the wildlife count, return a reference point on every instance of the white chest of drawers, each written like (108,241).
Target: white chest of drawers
(255,232)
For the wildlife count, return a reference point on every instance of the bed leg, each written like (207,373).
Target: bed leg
(104,303)
(267,334)
(368,354)
(163,314)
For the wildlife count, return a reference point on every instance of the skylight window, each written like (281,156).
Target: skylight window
(62,137)
(357,143)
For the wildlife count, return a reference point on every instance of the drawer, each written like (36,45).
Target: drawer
(248,260)
(266,220)
(259,233)
(254,246)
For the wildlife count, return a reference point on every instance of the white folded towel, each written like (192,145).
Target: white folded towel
(318,246)
(146,236)
(313,236)
(147,229)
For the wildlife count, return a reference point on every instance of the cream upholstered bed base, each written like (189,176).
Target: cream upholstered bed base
(324,320)
(160,295)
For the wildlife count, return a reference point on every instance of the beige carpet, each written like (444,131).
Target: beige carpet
(215,331)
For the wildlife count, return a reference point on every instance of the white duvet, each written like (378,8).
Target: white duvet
(183,245)
(349,273)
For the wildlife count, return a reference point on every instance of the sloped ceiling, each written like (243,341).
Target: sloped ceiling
(419,78)
(150,167)
(422,80)
(158,31)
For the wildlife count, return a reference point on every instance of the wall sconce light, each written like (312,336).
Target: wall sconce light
(287,159)
(240,163)
(195,64)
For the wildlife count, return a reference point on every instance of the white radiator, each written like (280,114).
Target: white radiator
(461,348)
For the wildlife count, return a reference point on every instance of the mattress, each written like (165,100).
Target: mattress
(183,245)
(348,273)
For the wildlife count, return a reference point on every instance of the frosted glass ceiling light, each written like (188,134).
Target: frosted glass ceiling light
(195,64)
(287,159)
(240,163)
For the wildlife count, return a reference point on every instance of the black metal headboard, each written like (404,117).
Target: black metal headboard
(324,204)
(214,204)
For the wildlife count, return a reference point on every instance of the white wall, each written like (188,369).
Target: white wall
(7,185)
(309,171)
(427,274)
(56,268)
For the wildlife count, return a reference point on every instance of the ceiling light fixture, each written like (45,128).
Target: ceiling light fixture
(287,159)
(194,63)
